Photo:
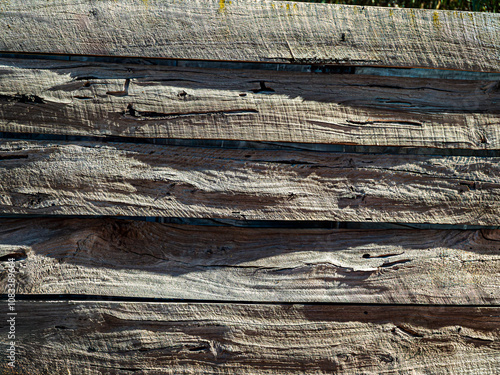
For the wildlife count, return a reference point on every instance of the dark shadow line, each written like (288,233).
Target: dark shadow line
(285,224)
(102,298)
(292,66)
(256,145)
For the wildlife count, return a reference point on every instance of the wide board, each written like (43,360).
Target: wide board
(123,258)
(85,178)
(199,338)
(249,30)
(127,100)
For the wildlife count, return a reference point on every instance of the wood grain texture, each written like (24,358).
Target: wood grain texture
(181,338)
(141,259)
(247,30)
(77,98)
(151,180)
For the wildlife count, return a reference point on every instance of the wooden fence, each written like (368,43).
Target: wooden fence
(248,187)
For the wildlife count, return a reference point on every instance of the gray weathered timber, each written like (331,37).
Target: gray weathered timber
(246,30)
(210,338)
(83,178)
(121,258)
(56,97)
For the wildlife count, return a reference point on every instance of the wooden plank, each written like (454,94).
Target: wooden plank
(183,338)
(77,98)
(142,259)
(262,31)
(84,178)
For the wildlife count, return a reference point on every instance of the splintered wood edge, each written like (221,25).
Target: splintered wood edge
(262,31)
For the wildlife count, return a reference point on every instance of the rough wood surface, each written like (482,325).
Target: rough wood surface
(179,338)
(139,259)
(152,180)
(247,30)
(77,98)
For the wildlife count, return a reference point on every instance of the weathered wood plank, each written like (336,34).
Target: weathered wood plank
(142,101)
(139,259)
(181,338)
(246,30)
(83,178)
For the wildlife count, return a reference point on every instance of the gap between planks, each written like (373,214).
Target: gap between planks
(255,145)
(303,68)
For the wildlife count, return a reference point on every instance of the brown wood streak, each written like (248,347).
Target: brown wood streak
(98,256)
(206,338)
(82,178)
(263,31)
(37,96)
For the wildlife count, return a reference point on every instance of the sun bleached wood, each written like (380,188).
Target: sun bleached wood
(186,338)
(83,178)
(75,98)
(247,30)
(139,259)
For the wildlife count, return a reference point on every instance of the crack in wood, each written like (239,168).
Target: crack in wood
(131,112)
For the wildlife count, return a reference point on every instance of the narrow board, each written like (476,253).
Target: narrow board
(184,338)
(249,30)
(92,99)
(82,178)
(111,257)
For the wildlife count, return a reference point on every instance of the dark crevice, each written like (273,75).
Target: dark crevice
(285,224)
(143,115)
(22,98)
(13,157)
(243,144)
(408,331)
(399,87)
(390,264)
(321,66)
(102,298)
(21,255)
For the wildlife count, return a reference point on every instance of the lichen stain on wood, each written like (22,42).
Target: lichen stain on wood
(222,6)
(435,20)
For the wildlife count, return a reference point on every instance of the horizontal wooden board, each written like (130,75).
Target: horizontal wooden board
(81,178)
(142,259)
(56,97)
(248,30)
(182,338)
